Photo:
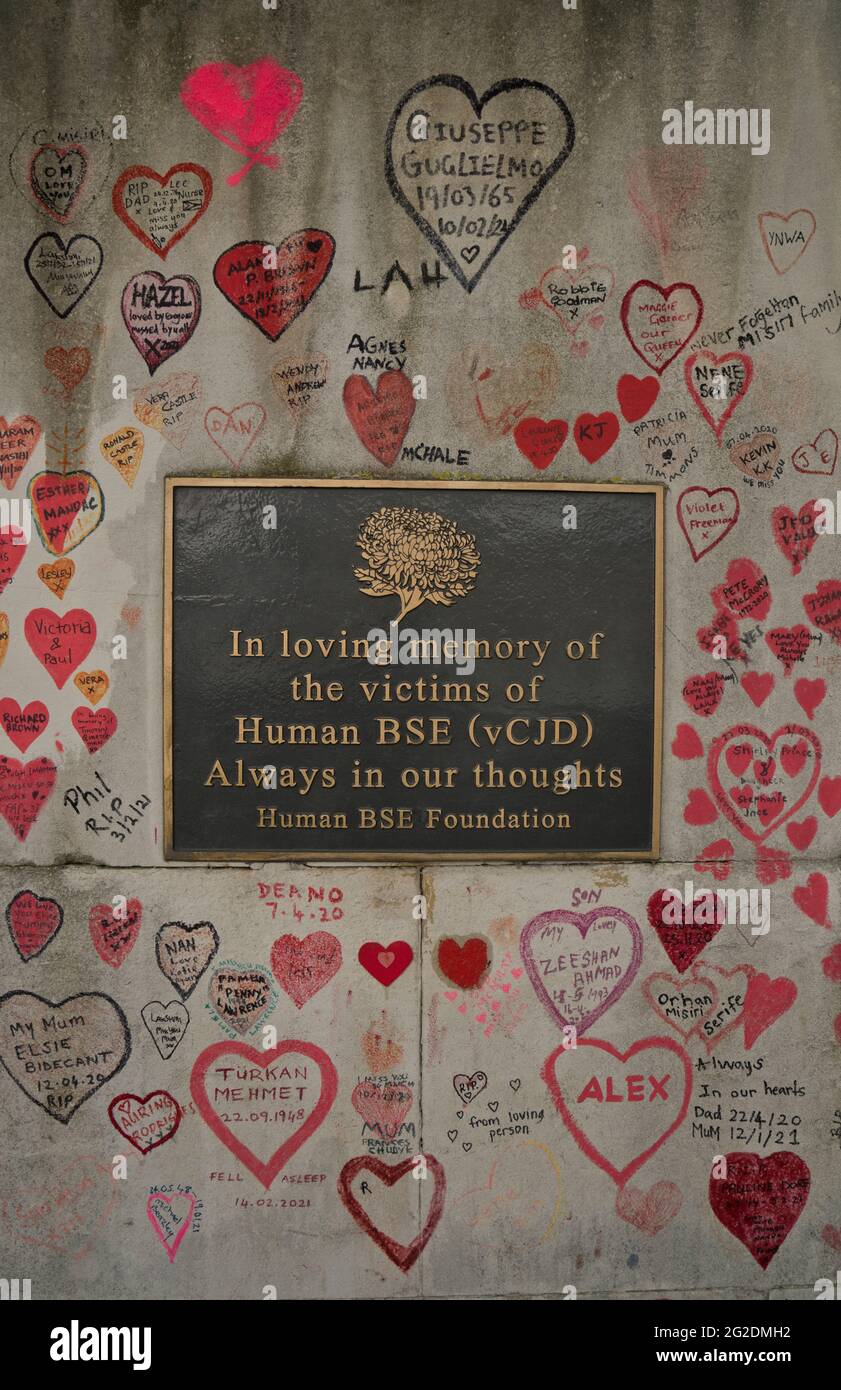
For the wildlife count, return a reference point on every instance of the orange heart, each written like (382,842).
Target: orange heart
(93,685)
(57,577)
(4,636)
(123,450)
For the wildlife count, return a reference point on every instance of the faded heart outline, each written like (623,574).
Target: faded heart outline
(583,921)
(478,103)
(265,1173)
(619,1175)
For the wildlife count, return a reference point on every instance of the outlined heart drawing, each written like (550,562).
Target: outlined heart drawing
(759,788)
(404,1256)
(784,244)
(416,155)
(262,1062)
(158,214)
(729,376)
(660,320)
(550,941)
(641,1087)
(170,1225)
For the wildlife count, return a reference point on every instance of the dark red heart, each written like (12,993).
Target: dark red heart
(636,395)
(272,299)
(464,963)
(684,940)
(760,1199)
(595,434)
(385,963)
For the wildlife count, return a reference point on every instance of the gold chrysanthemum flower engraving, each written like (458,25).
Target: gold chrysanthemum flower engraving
(420,557)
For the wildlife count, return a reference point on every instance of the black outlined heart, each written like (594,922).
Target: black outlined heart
(476,219)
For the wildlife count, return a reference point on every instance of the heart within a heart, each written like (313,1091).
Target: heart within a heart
(758,792)
(467,168)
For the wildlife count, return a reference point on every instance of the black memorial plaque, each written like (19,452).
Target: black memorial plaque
(398,670)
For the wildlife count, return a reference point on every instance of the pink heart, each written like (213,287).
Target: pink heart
(244,107)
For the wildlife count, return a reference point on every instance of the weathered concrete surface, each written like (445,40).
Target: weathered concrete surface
(527,1215)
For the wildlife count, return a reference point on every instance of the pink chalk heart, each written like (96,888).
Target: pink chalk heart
(23,726)
(25,789)
(717,384)
(234,431)
(551,946)
(246,108)
(587,1084)
(684,1005)
(160,314)
(171,1215)
(649,1211)
(256,1146)
(383,1105)
(746,751)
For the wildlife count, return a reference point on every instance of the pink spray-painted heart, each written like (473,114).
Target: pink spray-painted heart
(246,108)
(550,944)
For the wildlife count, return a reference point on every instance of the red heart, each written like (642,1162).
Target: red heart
(706,517)
(801,833)
(772,864)
(57,500)
(686,743)
(13,545)
(682,938)
(549,1074)
(146,1122)
(832,1236)
(739,748)
(24,790)
(829,795)
(60,643)
(703,693)
(636,395)
(715,859)
(795,532)
(94,726)
(113,934)
(464,963)
(813,899)
(765,1002)
(712,366)
(831,964)
(745,592)
(649,1211)
(723,625)
(68,365)
(18,439)
(262,1061)
(656,330)
(699,810)
(161,314)
(245,107)
(809,694)
(823,608)
(272,299)
(757,687)
(370,957)
(760,1199)
(382,418)
(169,212)
(23,726)
(595,434)
(403,1256)
(540,440)
(303,967)
(789,644)
(32,922)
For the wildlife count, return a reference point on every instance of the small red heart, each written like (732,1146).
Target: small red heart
(13,545)
(715,859)
(540,440)
(809,695)
(464,963)
(795,532)
(703,693)
(380,418)
(757,686)
(793,757)
(813,899)
(636,395)
(25,788)
(94,727)
(372,957)
(114,933)
(682,936)
(23,726)
(772,864)
(595,434)
(766,1000)
(686,743)
(789,644)
(801,833)
(760,1199)
(699,810)
(829,795)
